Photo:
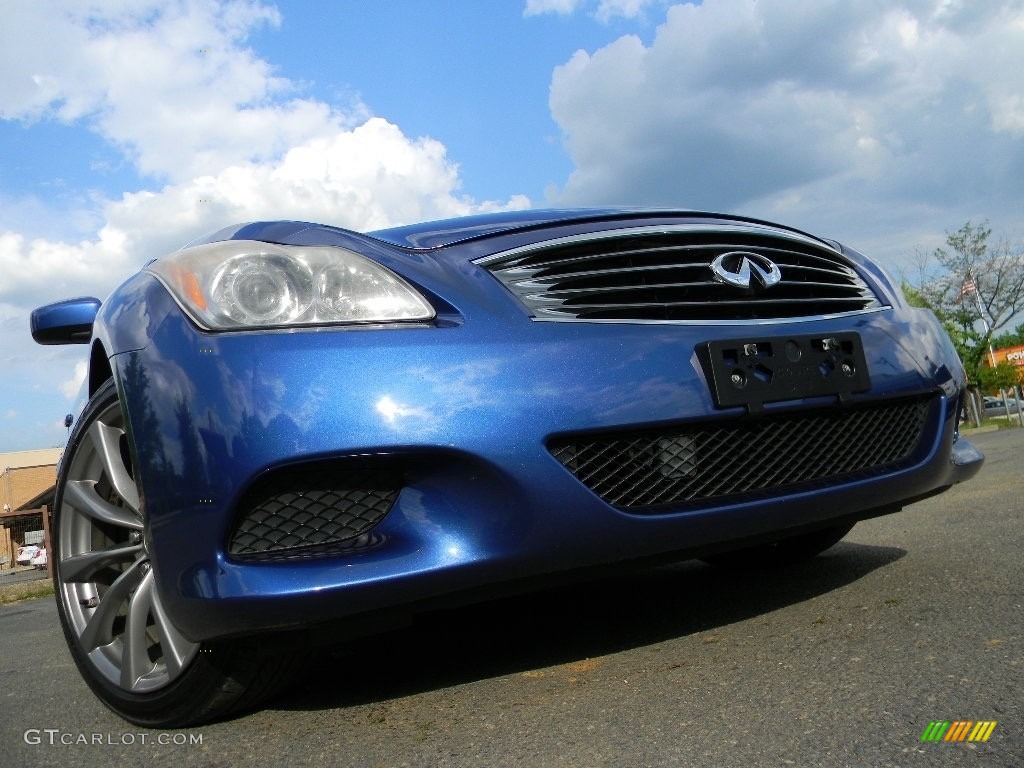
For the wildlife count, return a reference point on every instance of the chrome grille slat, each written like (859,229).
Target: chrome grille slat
(736,302)
(696,256)
(545,280)
(554,293)
(665,275)
(552,263)
(842,273)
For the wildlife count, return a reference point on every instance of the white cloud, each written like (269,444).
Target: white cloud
(369,177)
(71,387)
(605,10)
(627,9)
(805,107)
(173,85)
(561,7)
(170,81)
(40,270)
(223,139)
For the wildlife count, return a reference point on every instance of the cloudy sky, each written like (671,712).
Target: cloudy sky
(129,127)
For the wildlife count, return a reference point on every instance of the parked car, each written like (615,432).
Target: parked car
(39,559)
(26,553)
(995,406)
(294,425)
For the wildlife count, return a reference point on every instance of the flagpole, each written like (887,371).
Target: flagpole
(972,287)
(991,351)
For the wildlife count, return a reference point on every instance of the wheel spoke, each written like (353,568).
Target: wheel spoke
(177,649)
(107,441)
(83,497)
(135,661)
(82,568)
(99,629)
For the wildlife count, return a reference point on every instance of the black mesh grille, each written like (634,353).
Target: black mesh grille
(645,470)
(667,276)
(312,510)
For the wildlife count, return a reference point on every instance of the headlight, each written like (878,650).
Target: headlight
(248,284)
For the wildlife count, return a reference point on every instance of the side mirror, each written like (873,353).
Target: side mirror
(66,322)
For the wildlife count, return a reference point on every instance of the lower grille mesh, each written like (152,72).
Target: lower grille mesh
(303,512)
(645,470)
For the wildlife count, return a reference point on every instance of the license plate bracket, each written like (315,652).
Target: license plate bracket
(758,370)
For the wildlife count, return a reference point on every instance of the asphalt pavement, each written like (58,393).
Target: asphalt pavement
(20,575)
(844,661)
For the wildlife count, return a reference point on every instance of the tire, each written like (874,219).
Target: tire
(119,634)
(782,553)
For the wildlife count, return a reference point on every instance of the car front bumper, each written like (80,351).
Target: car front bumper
(466,415)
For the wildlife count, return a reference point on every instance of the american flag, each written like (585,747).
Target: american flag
(969,286)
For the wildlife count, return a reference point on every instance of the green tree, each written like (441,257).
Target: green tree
(1014,338)
(1003,376)
(975,286)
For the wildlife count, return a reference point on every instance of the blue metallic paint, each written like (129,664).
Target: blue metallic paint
(66,322)
(464,407)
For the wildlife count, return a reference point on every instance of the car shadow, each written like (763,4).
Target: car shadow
(565,625)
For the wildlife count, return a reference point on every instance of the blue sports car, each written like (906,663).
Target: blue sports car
(296,428)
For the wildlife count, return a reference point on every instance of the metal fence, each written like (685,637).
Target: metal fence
(30,528)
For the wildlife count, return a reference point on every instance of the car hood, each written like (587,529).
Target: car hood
(440,234)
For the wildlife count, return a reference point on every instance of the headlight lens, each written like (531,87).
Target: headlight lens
(262,290)
(248,284)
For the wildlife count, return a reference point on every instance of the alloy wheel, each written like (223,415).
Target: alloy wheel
(104,574)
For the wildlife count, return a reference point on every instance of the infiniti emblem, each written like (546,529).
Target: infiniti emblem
(737,268)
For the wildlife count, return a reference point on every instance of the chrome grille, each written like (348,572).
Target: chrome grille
(664,274)
(645,471)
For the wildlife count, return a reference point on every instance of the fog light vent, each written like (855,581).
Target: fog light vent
(309,511)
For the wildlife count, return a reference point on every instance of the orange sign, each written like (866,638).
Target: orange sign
(1013,355)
